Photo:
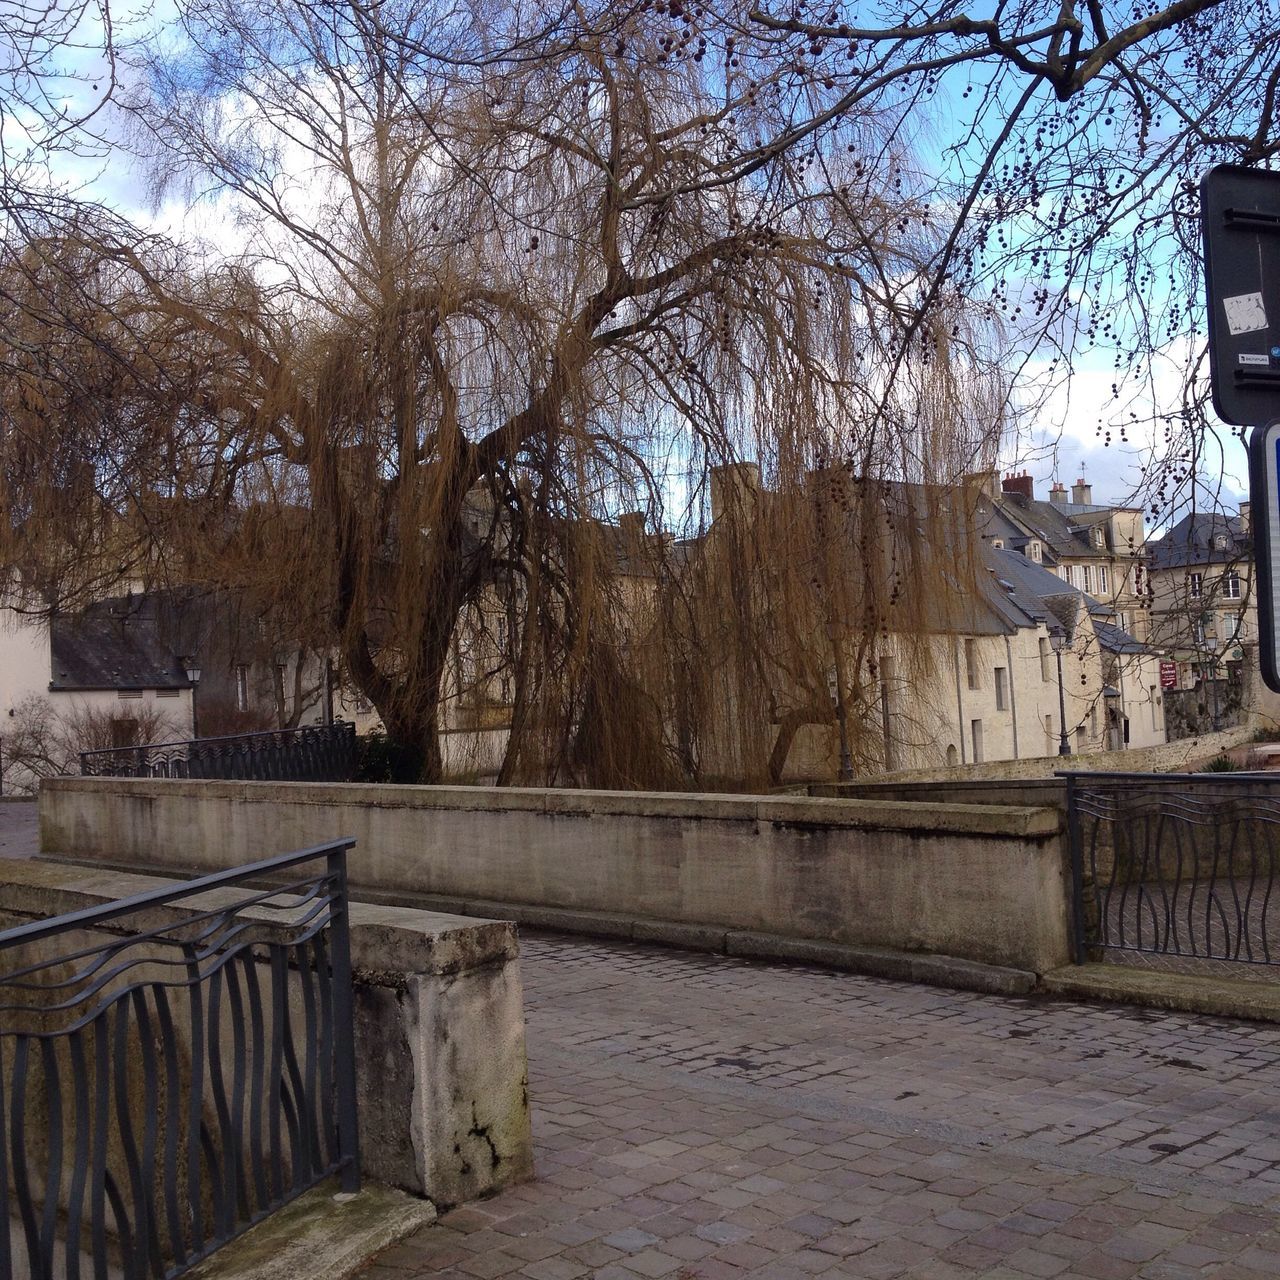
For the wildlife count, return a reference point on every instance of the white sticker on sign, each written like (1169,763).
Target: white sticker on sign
(1245,313)
(1252,357)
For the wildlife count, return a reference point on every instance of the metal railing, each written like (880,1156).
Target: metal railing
(174,1067)
(1176,865)
(312,753)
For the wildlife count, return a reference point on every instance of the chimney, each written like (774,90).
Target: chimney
(983,481)
(1081,493)
(1022,485)
(1245,513)
(631,526)
(733,485)
(1058,494)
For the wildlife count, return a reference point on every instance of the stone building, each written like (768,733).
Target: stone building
(1097,548)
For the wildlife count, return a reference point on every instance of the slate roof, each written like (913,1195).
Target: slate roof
(1032,589)
(112,645)
(1190,541)
(1116,640)
(1039,584)
(1063,528)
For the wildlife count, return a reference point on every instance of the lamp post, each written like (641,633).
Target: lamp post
(192,667)
(1059,639)
(1213,680)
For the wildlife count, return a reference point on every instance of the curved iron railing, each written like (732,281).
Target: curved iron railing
(311,753)
(1176,865)
(173,1068)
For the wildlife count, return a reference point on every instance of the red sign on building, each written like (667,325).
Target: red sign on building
(1168,675)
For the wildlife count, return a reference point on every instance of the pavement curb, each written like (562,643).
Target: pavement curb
(1174,992)
(880,962)
(320,1236)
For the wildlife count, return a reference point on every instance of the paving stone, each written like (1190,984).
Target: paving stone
(708,1118)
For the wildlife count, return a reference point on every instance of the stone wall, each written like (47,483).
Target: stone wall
(983,883)
(1191,712)
(439,1029)
(1187,753)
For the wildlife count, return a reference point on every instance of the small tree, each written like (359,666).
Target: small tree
(44,741)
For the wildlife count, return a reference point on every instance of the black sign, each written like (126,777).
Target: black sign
(1240,214)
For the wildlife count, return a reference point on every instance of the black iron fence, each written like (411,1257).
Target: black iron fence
(312,753)
(173,1068)
(1176,865)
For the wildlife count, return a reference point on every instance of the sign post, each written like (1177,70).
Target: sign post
(1240,217)
(1264,509)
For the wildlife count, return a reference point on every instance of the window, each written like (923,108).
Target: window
(1097,537)
(1065,571)
(1033,551)
(975,731)
(1122,621)
(1195,585)
(1231,586)
(971,663)
(998,543)
(953,756)
(1219,541)
(1086,578)
(242,688)
(1102,577)
(1002,695)
(1197,630)
(1046,660)
(1229,627)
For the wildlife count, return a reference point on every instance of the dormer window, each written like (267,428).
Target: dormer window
(1219,541)
(998,543)
(1098,538)
(1033,551)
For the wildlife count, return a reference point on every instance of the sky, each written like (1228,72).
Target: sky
(1059,441)
(1063,443)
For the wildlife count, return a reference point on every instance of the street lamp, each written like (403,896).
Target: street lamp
(1060,640)
(192,667)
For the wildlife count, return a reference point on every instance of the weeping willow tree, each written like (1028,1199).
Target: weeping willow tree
(468,311)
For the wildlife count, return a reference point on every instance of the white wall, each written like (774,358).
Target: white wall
(24,676)
(24,660)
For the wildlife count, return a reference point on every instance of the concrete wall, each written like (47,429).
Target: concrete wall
(442,1077)
(981,883)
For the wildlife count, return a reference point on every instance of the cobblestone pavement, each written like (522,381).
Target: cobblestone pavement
(703,1117)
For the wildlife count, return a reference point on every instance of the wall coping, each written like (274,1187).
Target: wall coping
(874,815)
(387,942)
